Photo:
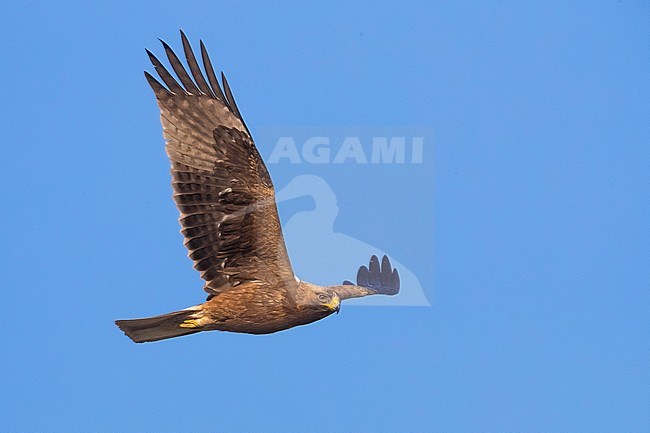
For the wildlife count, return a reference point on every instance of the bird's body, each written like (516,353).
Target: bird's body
(240,309)
(230,221)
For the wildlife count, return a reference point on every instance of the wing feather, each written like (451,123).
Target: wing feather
(167,78)
(221,186)
(181,73)
(195,69)
(231,99)
(372,280)
(209,70)
(155,85)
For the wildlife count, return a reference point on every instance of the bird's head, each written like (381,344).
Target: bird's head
(319,301)
(326,301)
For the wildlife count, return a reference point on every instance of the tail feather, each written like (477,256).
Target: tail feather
(158,327)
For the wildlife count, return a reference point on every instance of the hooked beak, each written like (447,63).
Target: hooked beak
(335,305)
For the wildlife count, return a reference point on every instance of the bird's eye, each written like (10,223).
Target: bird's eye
(323,297)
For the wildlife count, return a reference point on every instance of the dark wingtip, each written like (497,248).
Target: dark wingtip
(395,282)
(196,83)
(195,69)
(363,277)
(381,278)
(164,74)
(165,45)
(179,69)
(231,100)
(155,84)
(209,71)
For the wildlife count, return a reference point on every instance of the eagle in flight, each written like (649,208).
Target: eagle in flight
(230,220)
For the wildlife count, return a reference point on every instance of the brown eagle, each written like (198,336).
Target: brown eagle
(230,220)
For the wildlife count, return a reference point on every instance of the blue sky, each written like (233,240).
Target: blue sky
(526,222)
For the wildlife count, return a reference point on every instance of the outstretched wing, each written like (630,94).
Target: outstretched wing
(372,280)
(221,186)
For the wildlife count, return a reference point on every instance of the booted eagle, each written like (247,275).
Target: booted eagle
(230,220)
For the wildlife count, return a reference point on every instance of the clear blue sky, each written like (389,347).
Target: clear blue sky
(527,223)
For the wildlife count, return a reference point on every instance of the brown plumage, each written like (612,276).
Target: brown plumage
(230,220)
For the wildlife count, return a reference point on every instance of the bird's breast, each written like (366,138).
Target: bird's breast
(255,311)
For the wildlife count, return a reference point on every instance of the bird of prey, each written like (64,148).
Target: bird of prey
(229,218)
